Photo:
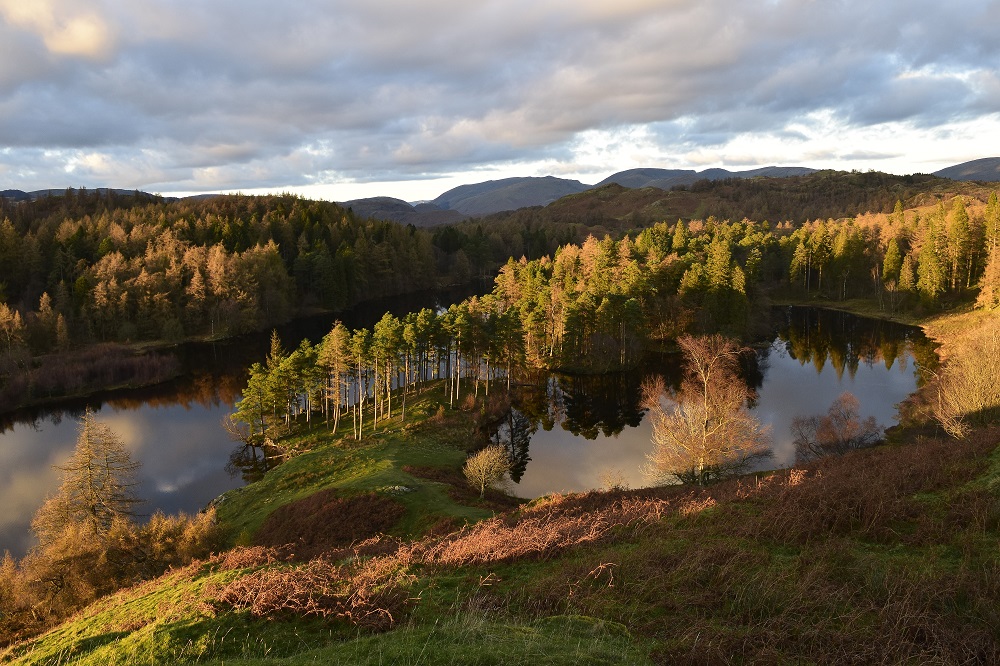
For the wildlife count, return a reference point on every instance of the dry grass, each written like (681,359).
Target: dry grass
(879,556)
(371,596)
(460,491)
(324,521)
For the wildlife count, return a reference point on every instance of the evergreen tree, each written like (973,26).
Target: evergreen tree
(680,240)
(959,246)
(992,221)
(892,263)
(931,274)
(334,358)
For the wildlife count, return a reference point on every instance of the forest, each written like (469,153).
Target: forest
(89,268)
(597,307)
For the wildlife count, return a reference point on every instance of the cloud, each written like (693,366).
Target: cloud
(182,94)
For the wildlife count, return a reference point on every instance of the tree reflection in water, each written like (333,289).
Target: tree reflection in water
(250,463)
(599,408)
(816,337)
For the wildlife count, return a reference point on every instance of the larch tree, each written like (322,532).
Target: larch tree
(97,485)
(989,285)
(705,431)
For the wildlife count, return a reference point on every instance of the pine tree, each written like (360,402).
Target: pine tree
(931,275)
(892,263)
(959,244)
(992,223)
(679,243)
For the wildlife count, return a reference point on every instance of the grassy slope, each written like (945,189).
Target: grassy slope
(885,555)
(374,464)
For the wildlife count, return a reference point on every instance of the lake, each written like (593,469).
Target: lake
(173,429)
(571,431)
(582,433)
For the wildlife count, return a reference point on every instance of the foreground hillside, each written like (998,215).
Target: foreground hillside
(886,555)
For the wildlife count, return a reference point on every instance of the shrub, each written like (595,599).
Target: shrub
(967,390)
(487,468)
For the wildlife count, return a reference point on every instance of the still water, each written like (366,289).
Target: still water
(172,429)
(580,433)
(570,433)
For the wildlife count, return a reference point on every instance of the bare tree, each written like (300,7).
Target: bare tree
(486,468)
(967,389)
(237,430)
(840,431)
(704,432)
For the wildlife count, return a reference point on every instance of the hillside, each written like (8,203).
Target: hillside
(397,210)
(881,556)
(986,169)
(507,194)
(613,208)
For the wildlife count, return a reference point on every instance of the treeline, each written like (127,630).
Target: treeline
(84,267)
(596,307)
(909,258)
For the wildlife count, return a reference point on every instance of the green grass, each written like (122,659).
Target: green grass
(374,463)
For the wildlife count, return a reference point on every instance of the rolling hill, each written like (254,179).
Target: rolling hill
(494,196)
(397,210)
(985,169)
(664,179)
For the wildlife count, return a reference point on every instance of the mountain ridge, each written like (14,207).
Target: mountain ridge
(985,169)
(508,194)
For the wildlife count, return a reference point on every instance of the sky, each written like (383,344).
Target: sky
(343,99)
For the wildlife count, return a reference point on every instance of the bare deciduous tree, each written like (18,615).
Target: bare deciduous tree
(486,468)
(967,389)
(705,432)
(836,433)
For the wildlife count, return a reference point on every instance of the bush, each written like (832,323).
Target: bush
(967,390)
(487,468)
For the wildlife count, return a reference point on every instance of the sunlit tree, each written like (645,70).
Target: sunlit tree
(840,430)
(96,488)
(704,431)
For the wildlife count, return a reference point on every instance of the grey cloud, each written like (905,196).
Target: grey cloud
(213,93)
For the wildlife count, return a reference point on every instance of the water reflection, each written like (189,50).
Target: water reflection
(173,429)
(565,433)
(588,427)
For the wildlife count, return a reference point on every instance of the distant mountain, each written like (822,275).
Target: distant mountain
(495,196)
(636,178)
(19,195)
(985,169)
(397,210)
(664,179)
